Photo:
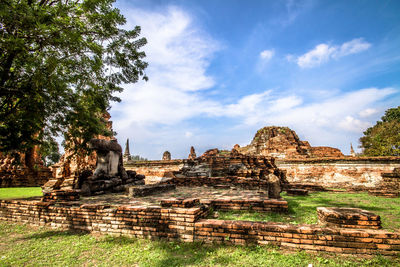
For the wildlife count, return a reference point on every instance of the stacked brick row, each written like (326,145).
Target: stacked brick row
(23,176)
(244,182)
(312,238)
(261,205)
(135,221)
(390,185)
(391,181)
(305,186)
(61,195)
(180,202)
(348,218)
(256,204)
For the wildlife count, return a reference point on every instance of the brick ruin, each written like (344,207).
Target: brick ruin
(69,169)
(309,167)
(340,230)
(166,155)
(358,173)
(389,186)
(176,219)
(216,168)
(192,154)
(348,218)
(108,176)
(24,169)
(254,167)
(283,143)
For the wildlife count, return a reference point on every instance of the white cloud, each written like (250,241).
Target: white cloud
(324,52)
(178,53)
(333,112)
(245,105)
(320,54)
(188,134)
(266,55)
(353,47)
(367,112)
(353,125)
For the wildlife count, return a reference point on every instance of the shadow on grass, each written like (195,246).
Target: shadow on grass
(49,234)
(167,253)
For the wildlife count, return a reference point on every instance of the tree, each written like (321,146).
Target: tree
(61,64)
(383,139)
(50,152)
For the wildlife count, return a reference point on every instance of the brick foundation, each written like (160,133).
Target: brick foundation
(135,221)
(262,205)
(307,237)
(186,224)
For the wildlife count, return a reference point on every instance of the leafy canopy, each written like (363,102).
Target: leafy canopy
(61,64)
(383,139)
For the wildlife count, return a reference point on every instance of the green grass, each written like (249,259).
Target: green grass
(302,209)
(21,245)
(20,192)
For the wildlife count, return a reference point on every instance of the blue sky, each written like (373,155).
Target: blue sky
(220,70)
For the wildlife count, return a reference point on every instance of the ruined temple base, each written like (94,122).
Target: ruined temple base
(185,220)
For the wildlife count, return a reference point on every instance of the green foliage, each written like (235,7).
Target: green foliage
(50,152)
(138,158)
(383,139)
(61,64)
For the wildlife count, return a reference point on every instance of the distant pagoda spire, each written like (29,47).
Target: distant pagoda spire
(352,153)
(127,154)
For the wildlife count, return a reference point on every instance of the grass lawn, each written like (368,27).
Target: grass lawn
(21,245)
(20,192)
(302,209)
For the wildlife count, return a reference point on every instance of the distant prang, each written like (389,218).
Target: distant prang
(283,142)
(192,154)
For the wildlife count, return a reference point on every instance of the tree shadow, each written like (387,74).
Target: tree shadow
(171,253)
(54,233)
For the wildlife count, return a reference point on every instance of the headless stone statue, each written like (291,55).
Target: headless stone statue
(109,157)
(109,174)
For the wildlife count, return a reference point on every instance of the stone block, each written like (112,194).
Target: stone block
(146,190)
(348,218)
